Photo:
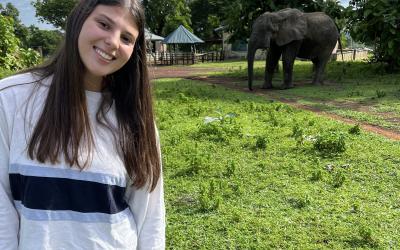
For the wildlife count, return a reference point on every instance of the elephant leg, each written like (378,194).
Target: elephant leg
(288,57)
(271,64)
(319,65)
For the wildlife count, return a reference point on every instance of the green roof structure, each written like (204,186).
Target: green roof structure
(180,36)
(152,37)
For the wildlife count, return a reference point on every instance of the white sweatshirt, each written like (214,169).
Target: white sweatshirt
(54,207)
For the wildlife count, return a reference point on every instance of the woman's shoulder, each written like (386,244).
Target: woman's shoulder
(21,84)
(17,80)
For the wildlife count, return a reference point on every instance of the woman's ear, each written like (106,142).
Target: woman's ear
(292,26)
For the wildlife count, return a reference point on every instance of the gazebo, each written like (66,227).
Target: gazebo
(152,37)
(182,36)
(154,41)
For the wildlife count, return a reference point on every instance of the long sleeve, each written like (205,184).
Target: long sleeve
(149,212)
(9,222)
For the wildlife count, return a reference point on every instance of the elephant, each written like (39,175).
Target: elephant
(292,33)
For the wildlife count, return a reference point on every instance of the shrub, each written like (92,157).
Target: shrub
(355,130)
(338,179)
(220,129)
(380,93)
(12,57)
(261,142)
(209,198)
(330,142)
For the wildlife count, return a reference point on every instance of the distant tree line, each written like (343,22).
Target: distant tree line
(372,22)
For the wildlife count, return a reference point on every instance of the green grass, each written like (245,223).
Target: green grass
(263,175)
(358,84)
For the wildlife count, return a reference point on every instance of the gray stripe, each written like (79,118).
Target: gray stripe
(67,173)
(50,215)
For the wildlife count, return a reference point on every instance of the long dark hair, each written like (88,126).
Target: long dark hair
(64,128)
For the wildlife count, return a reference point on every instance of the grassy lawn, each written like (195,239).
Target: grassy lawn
(356,90)
(242,172)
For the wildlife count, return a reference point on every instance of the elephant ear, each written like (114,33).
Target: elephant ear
(292,26)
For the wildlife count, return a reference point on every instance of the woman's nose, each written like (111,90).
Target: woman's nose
(112,40)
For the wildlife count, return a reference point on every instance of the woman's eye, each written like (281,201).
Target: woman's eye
(126,40)
(103,25)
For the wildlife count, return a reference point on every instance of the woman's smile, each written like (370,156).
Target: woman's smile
(104,55)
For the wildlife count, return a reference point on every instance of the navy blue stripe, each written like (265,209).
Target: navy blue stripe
(48,193)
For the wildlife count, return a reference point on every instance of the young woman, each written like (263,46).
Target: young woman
(80,163)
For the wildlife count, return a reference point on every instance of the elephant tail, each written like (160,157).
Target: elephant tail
(340,42)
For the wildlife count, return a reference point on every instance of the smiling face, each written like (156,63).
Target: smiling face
(106,43)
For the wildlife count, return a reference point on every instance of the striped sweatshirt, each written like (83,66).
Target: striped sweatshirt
(55,206)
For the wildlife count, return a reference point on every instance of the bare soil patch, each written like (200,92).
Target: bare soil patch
(234,83)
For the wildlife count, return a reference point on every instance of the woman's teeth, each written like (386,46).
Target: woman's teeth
(103,54)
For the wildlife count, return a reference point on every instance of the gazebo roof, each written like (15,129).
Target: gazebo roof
(182,35)
(152,37)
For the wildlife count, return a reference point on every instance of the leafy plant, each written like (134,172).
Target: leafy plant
(380,93)
(298,133)
(230,169)
(338,179)
(316,175)
(330,142)
(209,197)
(355,130)
(261,142)
(219,129)
(12,56)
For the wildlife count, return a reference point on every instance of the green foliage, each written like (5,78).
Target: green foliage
(355,130)
(54,11)
(28,57)
(12,57)
(261,142)
(330,142)
(380,93)
(298,133)
(219,129)
(46,40)
(206,16)
(209,197)
(338,178)
(164,16)
(377,22)
(240,15)
(20,31)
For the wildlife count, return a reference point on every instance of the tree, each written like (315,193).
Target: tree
(377,22)
(240,15)
(19,29)
(46,40)
(54,11)
(206,16)
(13,57)
(164,16)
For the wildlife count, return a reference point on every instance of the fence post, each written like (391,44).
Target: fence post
(354,55)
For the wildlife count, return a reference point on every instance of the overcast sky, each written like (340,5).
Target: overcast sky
(27,12)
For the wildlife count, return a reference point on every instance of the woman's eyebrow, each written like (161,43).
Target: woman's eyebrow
(113,23)
(106,17)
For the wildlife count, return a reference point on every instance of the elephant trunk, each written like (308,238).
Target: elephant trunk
(251,51)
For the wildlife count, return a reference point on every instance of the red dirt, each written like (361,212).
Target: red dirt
(199,74)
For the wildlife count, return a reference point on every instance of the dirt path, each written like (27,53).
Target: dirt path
(232,83)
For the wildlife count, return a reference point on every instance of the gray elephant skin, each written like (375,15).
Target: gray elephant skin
(291,33)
